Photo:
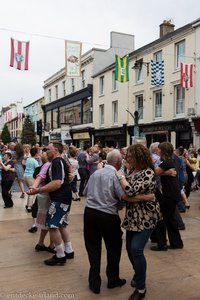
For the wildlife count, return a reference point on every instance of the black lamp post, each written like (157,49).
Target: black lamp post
(136,132)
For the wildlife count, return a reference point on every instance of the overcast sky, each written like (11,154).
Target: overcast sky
(88,21)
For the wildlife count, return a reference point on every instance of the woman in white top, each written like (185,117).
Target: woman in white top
(74,163)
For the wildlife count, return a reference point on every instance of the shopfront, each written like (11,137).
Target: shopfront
(179,133)
(81,138)
(112,137)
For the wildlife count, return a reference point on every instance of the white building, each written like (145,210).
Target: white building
(167,112)
(68,110)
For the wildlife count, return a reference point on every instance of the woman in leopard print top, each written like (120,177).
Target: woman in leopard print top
(140,217)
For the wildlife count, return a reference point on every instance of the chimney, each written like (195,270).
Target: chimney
(166,27)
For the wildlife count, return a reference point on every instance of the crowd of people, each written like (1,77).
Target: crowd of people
(152,185)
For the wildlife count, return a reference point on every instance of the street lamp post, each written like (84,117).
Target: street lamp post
(136,132)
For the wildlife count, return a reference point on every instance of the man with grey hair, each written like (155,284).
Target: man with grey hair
(101,220)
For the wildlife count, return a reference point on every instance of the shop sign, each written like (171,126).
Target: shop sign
(65,135)
(81,135)
(55,136)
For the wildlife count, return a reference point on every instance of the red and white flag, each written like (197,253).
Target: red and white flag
(186,80)
(19,54)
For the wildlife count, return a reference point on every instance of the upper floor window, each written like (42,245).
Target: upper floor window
(180,53)
(40,106)
(64,88)
(158,104)
(115,112)
(56,92)
(114,82)
(33,109)
(87,110)
(73,86)
(139,71)
(49,95)
(179,100)
(157,57)
(101,85)
(139,105)
(83,78)
(101,115)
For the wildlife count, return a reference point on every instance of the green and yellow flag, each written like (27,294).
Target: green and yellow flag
(121,68)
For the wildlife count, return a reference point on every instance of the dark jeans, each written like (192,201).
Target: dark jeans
(84,176)
(135,243)
(98,225)
(6,186)
(170,224)
(74,185)
(34,209)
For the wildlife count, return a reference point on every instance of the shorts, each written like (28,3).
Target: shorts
(57,215)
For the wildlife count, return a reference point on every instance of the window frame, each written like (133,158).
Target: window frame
(180,53)
(158,104)
(64,88)
(115,112)
(179,103)
(140,108)
(114,82)
(101,115)
(83,78)
(101,85)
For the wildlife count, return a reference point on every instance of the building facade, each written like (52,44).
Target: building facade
(167,112)
(35,112)
(68,109)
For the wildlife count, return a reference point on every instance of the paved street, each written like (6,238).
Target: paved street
(174,274)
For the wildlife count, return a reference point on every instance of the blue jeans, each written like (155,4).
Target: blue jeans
(135,243)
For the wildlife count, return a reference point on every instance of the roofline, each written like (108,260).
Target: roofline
(155,42)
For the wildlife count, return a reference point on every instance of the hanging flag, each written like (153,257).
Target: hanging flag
(157,73)
(186,75)
(73,58)
(19,54)
(122,68)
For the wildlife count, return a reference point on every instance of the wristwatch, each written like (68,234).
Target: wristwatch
(120,177)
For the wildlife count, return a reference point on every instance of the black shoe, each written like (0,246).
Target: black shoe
(8,206)
(95,290)
(118,283)
(137,295)
(175,247)
(54,260)
(69,255)
(51,250)
(33,229)
(76,199)
(158,248)
(153,240)
(40,248)
(181,227)
(133,284)
(182,210)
